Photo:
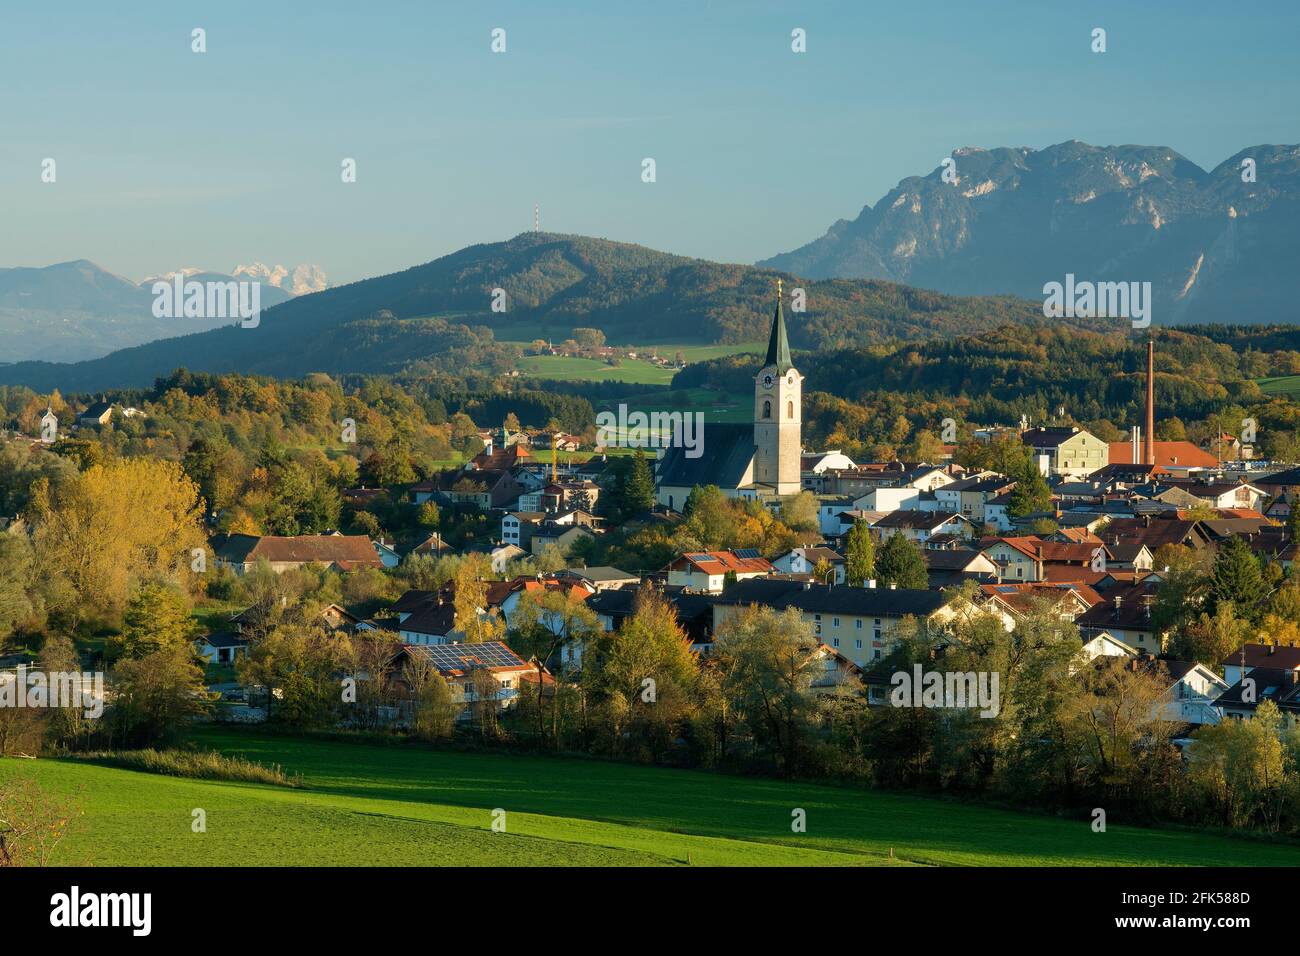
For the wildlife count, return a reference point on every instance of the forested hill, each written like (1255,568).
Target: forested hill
(552,283)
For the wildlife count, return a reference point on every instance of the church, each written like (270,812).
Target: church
(759,460)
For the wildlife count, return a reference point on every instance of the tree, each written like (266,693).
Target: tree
(1238,765)
(32,822)
(860,555)
(544,623)
(800,511)
(133,519)
(1031,493)
(474,617)
(17,580)
(157,618)
(589,338)
(644,671)
(434,707)
(1237,577)
(429,515)
(901,564)
(155,695)
(1117,721)
(638,492)
(299,665)
(1293,520)
(770,662)
(1210,639)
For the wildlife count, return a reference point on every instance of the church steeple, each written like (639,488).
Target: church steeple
(778,413)
(778,346)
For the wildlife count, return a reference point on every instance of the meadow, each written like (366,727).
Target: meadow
(402,804)
(562,368)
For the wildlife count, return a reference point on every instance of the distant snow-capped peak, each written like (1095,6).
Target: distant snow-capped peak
(303,279)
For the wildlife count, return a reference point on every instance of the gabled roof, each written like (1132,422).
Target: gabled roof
(721,562)
(1264,655)
(457,660)
(919,520)
(818,598)
(602,573)
(1268,683)
(348,551)
(1049,437)
(435,619)
(221,639)
(726,452)
(1168,454)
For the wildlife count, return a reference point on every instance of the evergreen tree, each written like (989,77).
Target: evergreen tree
(639,492)
(1031,492)
(901,564)
(860,557)
(1237,578)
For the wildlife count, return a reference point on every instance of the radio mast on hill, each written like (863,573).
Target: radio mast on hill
(537,218)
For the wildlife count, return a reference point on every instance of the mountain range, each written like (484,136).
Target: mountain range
(551,284)
(77,310)
(1217,246)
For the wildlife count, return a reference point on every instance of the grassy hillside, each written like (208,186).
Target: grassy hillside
(552,284)
(401,805)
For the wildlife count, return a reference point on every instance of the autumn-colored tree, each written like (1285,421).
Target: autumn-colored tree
(117,524)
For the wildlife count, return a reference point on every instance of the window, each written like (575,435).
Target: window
(789,409)
(858,643)
(835,622)
(767,408)
(835,642)
(858,624)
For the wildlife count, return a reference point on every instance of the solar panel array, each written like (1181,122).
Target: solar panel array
(463,657)
(748,553)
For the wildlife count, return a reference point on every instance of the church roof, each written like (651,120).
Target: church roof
(727,449)
(778,346)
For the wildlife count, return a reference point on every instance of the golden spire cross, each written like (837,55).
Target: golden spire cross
(778,287)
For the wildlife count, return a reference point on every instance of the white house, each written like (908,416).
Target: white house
(804,560)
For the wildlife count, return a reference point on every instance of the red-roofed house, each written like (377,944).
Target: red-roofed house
(708,570)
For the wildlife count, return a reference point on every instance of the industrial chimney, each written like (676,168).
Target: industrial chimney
(1148,440)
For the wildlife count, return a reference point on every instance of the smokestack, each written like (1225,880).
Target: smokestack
(1148,447)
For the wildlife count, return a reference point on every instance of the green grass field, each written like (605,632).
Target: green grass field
(1287,386)
(565,369)
(407,805)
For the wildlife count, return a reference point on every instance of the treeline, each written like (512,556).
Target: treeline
(887,401)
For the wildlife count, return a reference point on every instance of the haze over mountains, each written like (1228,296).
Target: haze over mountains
(1215,248)
(76,310)
(552,284)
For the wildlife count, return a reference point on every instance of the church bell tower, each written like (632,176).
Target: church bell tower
(778,410)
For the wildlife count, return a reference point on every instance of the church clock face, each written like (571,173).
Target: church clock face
(767,381)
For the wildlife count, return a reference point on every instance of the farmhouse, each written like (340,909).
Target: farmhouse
(342,552)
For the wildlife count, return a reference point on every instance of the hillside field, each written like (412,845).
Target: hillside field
(410,805)
(1285,386)
(563,368)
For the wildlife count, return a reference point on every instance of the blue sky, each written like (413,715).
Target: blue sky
(168,158)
